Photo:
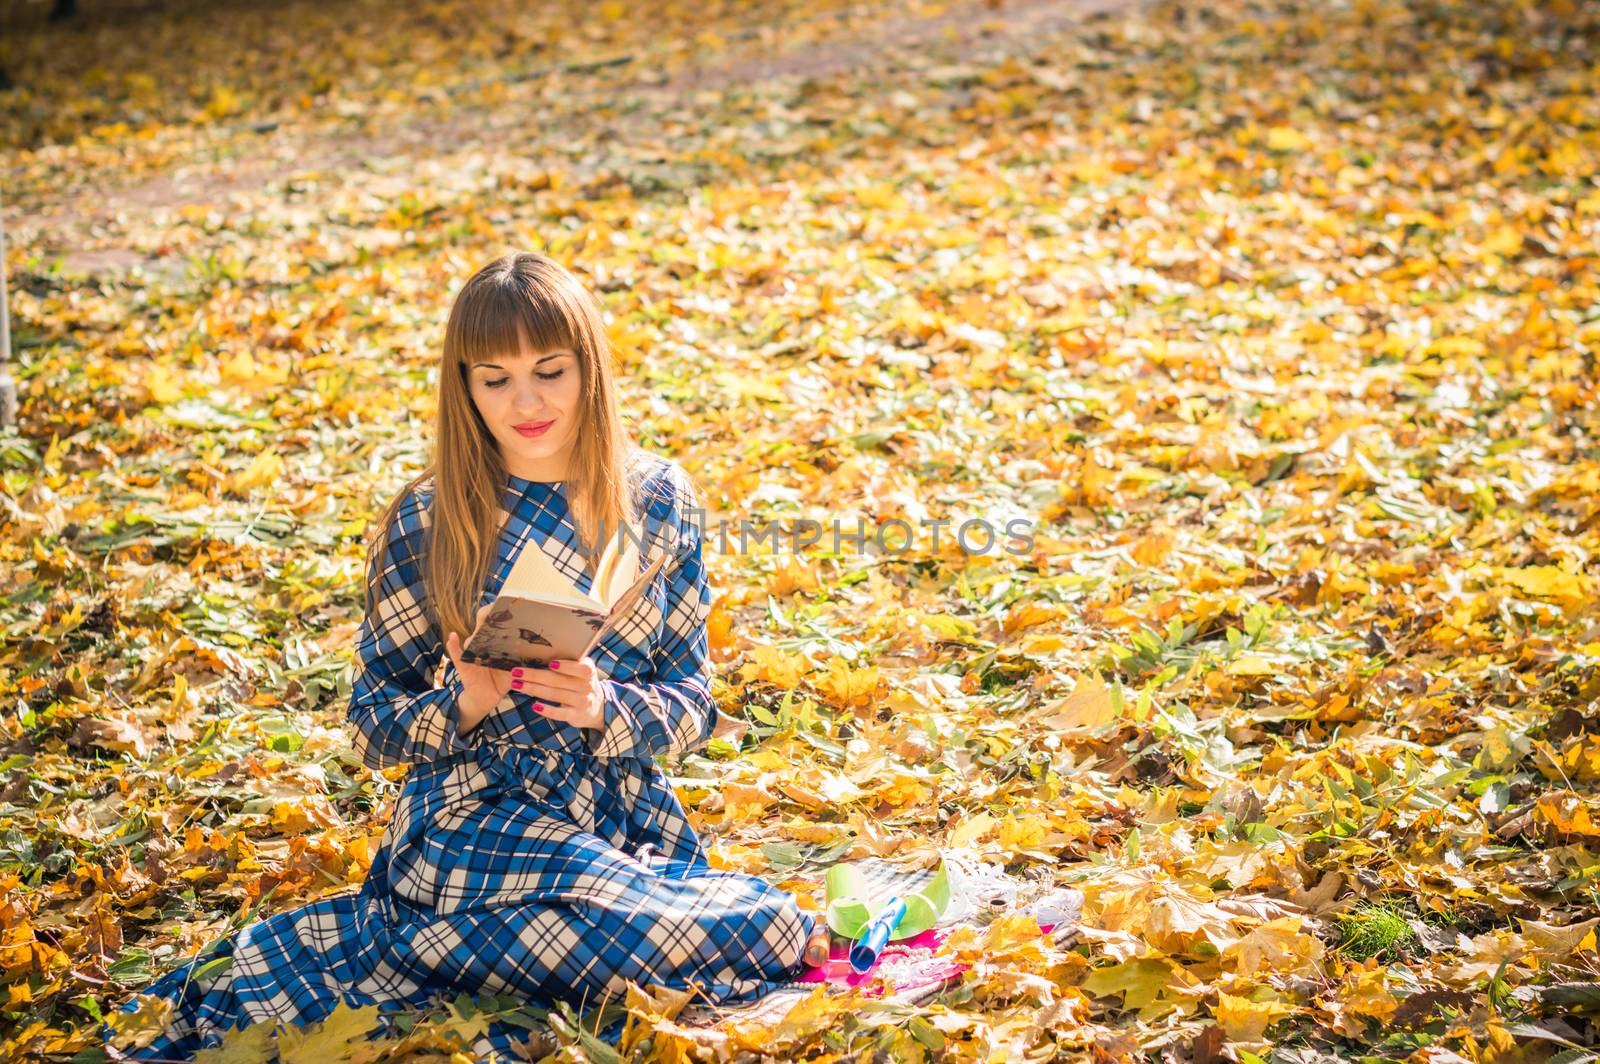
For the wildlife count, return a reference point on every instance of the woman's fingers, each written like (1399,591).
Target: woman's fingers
(452,647)
(550,692)
(565,714)
(581,668)
(565,682)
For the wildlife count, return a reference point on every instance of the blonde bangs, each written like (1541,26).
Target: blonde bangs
(495,319)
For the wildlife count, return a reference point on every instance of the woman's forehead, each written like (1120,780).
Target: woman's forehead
(525,354)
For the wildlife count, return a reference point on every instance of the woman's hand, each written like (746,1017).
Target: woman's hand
(482,688)
(569,691)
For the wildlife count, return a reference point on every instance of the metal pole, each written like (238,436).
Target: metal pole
(8,386)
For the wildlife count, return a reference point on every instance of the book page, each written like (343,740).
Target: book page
(609,552)
(625,601)
(622,576)
(533,575)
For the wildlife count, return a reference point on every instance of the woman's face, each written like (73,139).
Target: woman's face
(530,403)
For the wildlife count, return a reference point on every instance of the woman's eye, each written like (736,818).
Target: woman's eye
(498,382)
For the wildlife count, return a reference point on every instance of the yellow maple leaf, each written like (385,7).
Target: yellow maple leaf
(776,666)
(1252,665)
(1280,947)
(1504,240)
(767,759)
(881,196)
(254,1041)
(818,788)
(160,384)
(1025,834)
(1029,614)
(243,369)
(1369,996)
(1139,982)
(950,627)
(845,685)
(1009,931)
(1243,1020)
(1287,138)
(138,1028)
(1092,704)
(266,468)
(1560,942)
(1178,923)
(224,102)
(734,857)
(296,815)
(969,831)
(813,1013)
(332,1039)
(1552,583)
(1038,644)
(803,829)
(793,575)
(1578,760)
(719,627)
(1569,813)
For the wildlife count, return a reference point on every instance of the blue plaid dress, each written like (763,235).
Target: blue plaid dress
(527,857)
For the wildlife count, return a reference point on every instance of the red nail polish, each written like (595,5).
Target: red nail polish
(517,684)
(537,708)
(555,664)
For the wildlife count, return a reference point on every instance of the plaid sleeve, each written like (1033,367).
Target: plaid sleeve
(399,716)
(672,712)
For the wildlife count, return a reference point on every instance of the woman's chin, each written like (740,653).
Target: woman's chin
(524,453)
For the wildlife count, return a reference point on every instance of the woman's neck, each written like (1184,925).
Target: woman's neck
(541,478)
(546,472)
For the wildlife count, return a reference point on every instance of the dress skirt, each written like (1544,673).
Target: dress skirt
(503,874)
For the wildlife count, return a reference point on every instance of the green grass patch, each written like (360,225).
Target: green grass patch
(1376,929)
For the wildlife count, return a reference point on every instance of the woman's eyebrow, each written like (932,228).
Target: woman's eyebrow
(542,361)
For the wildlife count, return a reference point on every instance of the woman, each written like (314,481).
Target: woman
(535,849)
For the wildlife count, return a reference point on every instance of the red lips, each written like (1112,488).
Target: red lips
(534,428)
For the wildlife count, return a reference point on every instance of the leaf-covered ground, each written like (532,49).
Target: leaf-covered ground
(1278,321)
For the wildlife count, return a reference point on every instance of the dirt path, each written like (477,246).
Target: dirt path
(977,27)
(248,162)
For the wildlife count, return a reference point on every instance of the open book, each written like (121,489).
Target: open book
(540,615)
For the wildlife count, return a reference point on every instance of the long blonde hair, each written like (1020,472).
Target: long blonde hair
(521,295)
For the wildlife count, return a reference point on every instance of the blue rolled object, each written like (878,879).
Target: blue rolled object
(875,935)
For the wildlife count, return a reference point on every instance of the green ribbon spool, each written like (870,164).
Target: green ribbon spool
(851,901)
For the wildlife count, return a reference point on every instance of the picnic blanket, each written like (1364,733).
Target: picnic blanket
(909,969)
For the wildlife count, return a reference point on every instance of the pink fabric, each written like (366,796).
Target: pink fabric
(902,966)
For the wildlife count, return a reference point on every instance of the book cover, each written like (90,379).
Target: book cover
(540,615)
